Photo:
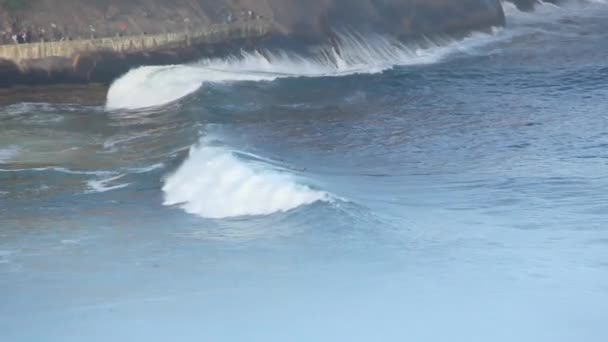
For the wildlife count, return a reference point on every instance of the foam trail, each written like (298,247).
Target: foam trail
(352,54)
(102,185)
(214,183)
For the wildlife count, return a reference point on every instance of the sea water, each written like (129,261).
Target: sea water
(372,190)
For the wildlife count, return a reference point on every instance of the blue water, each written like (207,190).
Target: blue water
(452,191)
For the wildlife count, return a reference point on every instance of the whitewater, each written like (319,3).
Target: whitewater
(214,182)
(351,53)
(369,190)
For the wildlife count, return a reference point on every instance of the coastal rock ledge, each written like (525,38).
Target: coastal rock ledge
(95,41)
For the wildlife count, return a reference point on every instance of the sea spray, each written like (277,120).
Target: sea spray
(350,54)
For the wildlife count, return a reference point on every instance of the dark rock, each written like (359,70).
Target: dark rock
(9,73)
(528,5)
(304,22)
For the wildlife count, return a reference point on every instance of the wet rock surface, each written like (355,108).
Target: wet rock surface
(289,21)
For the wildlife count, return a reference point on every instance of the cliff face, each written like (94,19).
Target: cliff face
(57,22)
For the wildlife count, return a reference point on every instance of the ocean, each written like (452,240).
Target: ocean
(371,190)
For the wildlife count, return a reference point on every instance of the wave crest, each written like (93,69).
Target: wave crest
(351,54)
(214,183)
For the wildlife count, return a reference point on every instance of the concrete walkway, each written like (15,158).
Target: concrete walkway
(211,34)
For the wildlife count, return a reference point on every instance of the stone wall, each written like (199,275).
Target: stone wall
(102,60)
(214,33)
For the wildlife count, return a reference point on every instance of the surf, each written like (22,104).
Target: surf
(349,54)
(216,182)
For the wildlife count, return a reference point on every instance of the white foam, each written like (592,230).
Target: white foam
(547,12)
(157,85)
(103,185)
(110,144)
(214,183)
(147,169)
(8,153)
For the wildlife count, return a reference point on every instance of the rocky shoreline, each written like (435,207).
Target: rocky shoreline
(221,27)
(102,60)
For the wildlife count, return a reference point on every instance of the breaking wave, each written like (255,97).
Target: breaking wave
(215,182)
(218,182)
(151,86)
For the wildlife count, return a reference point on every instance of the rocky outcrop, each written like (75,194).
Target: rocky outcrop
(528,5)
(524,5)
(81,19)
(283,21)
(317,18)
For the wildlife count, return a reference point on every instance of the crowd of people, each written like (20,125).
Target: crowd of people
(54,33)
(244,15)
(27,36)
(21,37)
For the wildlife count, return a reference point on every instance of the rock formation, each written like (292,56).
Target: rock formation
(528,5)
(302,21)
